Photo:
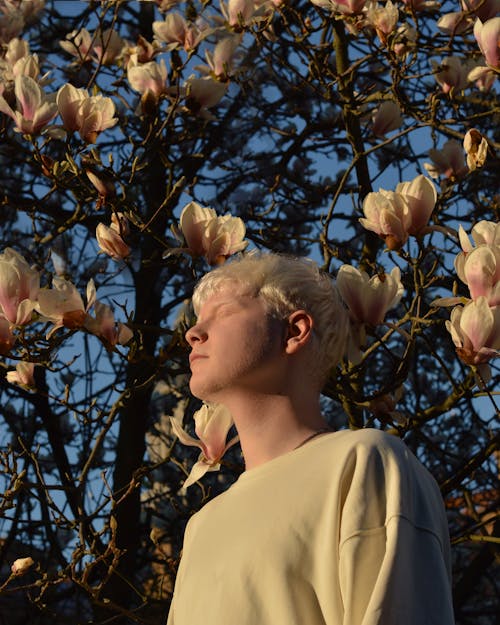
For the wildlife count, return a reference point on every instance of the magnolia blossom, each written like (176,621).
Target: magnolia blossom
(78,43)
(396,215)
(475,331)
(484,9)
(63,305)
(387,214)
(348,7)
(177,32)
(23,374)
(483,233)
(420,194)
(105,327)
(101,183)
(146,77)
(387,117)
(18,62)
(143,51)
(454,23)
(383,19)
(480,270)
(11,22)
(34,109)
(107,46)
(369,299)
(103,47)
(19,287)
(110,239)
(209,235)
(238,12)
(7,338)
(16,49)
(405,39)
(212,424)
(448,162)
(483,77)
(31,9)
(204,93)
(21,565)
(451,74)
(476,148)
(89,115)
(488,38)
(221,60)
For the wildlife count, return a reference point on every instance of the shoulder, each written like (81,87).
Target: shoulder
(367,442)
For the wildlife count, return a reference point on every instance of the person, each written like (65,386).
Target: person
(322,527)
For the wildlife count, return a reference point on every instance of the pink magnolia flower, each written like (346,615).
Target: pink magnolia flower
(211,236)
(483,233)
(31,9)
(387,117)
(448,162)
(475,331)
(405,39)
(102,183)
(16,49)
(451,74)
(89,115)
(177,32)
(476,148)
(105,327)
(107,46)
(369,299)
(34,109)
(454,23)
(96,114)
(480,270)
(146,77)
(488,38)
(484,9)
(238,12)
(212,424)
(143,51)
(21,565)
(11,22)
(63,305)
(220,61)
(483,77)
(110,239)
(78,43)
(383,19)
(203,94)
(27,66)
(23,375)
(19,287)
(387,214)
(347,7)
(7,338)
(420,194)
(68,100)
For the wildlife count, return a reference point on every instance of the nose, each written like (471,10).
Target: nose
(196,334)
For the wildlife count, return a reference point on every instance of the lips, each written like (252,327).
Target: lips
(194,357)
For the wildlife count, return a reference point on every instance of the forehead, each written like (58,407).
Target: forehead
(228,293)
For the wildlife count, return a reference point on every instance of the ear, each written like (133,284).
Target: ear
(299,331)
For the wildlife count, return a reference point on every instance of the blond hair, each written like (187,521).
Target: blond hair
(287,284)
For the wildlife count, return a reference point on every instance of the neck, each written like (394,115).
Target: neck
(271,425)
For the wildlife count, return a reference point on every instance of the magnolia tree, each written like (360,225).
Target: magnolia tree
(142,143)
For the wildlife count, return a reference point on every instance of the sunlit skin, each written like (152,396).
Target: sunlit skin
(257,366)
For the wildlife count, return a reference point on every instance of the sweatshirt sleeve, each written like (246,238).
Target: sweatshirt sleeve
(394,563)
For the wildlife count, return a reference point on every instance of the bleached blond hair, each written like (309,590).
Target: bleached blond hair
(287,284)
